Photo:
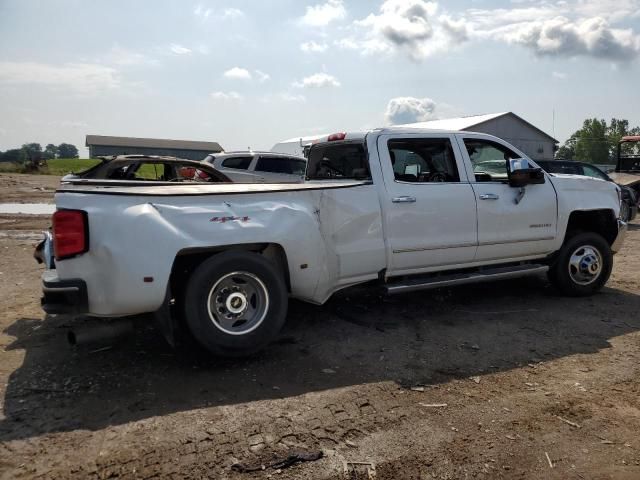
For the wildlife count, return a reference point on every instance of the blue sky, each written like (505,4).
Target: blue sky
(250,73)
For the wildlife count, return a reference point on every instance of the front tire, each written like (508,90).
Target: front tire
(235,303)
(583,265)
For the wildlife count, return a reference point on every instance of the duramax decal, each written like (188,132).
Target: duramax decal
(540,225)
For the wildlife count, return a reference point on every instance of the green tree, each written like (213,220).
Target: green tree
(50,151)
(568,150)
(597,142)
(592,144)
(618,129)
(15,155)
(32,150)
(66,150)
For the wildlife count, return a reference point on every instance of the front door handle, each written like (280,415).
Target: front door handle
(404,199)
(489,196)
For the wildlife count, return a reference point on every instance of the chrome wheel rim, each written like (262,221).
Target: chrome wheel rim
(585,265)
(238,303)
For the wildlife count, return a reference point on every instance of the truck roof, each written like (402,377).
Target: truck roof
(360,135)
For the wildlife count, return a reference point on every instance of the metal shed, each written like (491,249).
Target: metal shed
(528,138)
(101,145)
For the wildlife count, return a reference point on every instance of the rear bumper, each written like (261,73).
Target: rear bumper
(622,233)
(63,296)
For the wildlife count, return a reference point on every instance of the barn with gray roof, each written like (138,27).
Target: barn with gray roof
(101,145)
(508,126)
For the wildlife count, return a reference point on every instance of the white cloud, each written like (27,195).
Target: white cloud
(318,80)
(562,29)
(401,110)
(83,78)
(559,75)
(238,73)
(560,36)
(313,47)
(323,14)
(127,58)
(226,96)
(179,49)
(412,26)
(69,124)
(262,76)
(571,28)
(231,13)
(202,12)
(290,97)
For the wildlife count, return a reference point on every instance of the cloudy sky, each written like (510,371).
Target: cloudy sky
(248,73)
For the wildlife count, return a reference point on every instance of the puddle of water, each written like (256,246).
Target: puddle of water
(28,208)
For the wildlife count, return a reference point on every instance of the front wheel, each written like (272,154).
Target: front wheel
(235,303)
(583,265)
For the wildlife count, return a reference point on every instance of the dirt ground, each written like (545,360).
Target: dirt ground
(503,380)
(24,188)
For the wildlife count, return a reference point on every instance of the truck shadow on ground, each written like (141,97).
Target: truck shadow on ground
(358,337)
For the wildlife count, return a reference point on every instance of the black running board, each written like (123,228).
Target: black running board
(484,275)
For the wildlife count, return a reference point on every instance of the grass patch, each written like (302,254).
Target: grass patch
(10,167)
(62,166)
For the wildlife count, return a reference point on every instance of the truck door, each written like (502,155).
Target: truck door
(512,222)
(429,206)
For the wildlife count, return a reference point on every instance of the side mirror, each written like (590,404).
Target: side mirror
(522,174)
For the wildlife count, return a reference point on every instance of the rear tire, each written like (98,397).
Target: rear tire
(235,303)
(583,265)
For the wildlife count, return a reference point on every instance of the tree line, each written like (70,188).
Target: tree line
(32,152)
(597,141)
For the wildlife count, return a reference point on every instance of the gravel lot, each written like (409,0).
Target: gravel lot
(503,380)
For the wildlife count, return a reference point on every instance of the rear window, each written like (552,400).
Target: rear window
(291,166)
(341,161)
(241,163)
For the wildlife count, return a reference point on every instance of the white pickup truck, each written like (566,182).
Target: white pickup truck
(405,209)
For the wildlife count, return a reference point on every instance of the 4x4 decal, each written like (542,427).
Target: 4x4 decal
(229,219)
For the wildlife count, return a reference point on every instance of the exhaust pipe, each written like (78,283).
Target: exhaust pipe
(100,333)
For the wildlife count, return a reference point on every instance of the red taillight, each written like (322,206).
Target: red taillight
(70,233)
(337,136)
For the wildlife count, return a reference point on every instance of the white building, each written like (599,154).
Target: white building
(507,125)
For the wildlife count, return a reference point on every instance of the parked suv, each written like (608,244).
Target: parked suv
(259,167)
(630,198)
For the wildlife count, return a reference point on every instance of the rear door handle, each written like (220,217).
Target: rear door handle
(489,196)
(404,199)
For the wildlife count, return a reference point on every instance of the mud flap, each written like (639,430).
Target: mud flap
(165,322)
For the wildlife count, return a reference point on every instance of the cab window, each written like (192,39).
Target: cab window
(489,160)
(423,160)
(338,161)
